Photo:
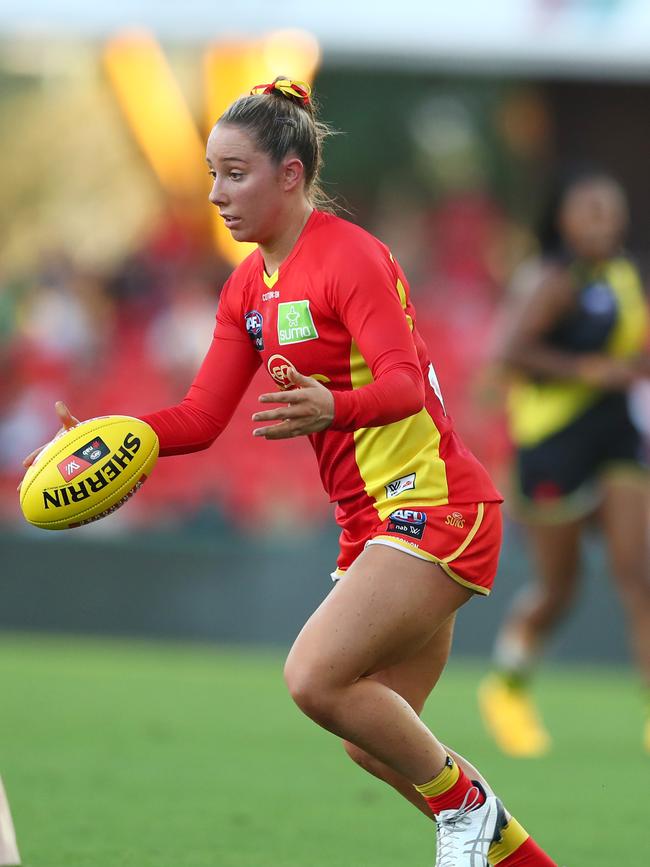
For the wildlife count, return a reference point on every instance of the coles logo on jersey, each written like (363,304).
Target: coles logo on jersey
(295,323)
(278,366)
(407,522)
(83,458)
(254,321)
(404,483)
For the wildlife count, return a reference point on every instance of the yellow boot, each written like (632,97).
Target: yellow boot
(511,717)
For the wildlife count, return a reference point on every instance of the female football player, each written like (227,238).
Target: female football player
(325,308)
(576,343)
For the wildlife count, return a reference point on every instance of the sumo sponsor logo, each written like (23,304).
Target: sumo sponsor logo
(106,473)
(295,322)
(82,459)
(397,486)
(408,522)
(254,322)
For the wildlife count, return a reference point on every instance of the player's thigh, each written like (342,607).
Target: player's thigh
(625,518)
(415,678)
(555,551)
(386,609)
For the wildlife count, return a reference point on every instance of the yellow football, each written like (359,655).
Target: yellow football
(88,472)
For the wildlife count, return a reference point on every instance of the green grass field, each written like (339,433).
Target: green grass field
(127,754)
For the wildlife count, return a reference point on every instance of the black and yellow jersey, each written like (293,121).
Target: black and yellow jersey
(610,316)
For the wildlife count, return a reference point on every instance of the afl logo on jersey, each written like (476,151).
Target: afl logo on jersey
(408,522)
(254,321)
(278,366)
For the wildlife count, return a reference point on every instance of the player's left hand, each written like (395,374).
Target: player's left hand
(306,409)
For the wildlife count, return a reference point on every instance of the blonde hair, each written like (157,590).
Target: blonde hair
(282,119)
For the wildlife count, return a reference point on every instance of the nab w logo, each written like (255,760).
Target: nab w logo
(82,459)
(72,466)
(408,522)
(397,486)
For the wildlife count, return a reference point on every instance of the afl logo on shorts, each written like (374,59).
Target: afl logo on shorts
(279,366)
(407,522)
(254,321)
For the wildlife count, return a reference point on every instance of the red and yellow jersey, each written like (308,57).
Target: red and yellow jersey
(338,309)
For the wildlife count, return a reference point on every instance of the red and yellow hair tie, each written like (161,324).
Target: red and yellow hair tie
(299,89)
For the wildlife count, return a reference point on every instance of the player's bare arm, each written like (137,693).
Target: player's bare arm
(526,347)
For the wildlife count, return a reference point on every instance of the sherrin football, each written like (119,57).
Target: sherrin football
(88,472)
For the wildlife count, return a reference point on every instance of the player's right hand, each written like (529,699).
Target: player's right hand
(67,421)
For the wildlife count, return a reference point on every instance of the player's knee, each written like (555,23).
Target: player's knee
(554,605)
(307,689)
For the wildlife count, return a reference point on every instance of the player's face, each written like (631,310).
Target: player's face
(246,185)
(593,219)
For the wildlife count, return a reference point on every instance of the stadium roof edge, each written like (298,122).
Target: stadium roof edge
(585,38)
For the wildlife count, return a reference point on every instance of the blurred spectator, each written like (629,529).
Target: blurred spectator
(180,333)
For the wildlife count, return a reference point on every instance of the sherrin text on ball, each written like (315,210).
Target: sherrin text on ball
(88,471)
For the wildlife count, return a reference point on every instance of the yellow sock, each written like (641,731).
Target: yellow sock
(512,837)
(441,783)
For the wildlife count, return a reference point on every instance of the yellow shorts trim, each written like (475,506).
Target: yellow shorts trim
(631,473)
(579,504)
(476,588)
(470,535)
(403,545)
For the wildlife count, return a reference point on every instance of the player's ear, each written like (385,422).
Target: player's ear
(293,173)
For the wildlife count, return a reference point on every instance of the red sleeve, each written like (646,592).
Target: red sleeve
(224,376)
(370,308)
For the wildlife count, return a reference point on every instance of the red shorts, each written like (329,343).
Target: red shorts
(465,540)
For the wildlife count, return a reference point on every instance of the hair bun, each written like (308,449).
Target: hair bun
(287,87)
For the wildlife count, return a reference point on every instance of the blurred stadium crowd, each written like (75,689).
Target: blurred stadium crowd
(130,339)
(110,273)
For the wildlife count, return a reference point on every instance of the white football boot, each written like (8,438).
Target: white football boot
(466,834)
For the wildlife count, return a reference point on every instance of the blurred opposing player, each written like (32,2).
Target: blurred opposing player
(576,344)
(420,519)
